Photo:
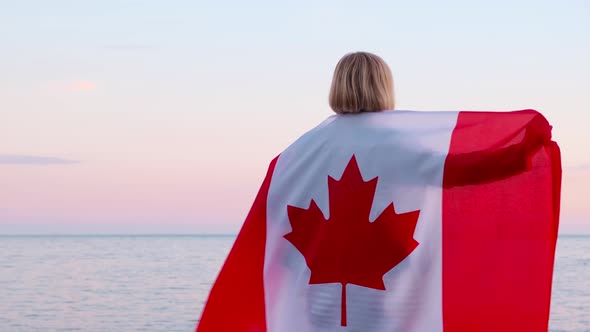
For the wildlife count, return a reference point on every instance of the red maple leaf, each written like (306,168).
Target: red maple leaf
(347,248)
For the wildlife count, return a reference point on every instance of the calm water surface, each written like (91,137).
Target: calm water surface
(160,283)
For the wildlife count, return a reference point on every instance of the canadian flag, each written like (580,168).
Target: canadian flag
(399,221)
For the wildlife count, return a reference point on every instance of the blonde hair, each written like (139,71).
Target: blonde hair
(362,82)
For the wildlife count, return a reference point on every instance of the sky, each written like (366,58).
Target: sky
(162,116)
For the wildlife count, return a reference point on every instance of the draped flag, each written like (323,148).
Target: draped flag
(399,221)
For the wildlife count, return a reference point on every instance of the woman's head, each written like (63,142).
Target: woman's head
(362,82)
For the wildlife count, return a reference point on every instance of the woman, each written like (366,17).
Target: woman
(363,82)
(346,229)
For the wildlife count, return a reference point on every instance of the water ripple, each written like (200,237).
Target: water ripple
(152,283)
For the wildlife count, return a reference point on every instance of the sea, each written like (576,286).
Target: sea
(160,282)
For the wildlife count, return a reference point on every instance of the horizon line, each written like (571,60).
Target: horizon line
(117,234)
(172,234)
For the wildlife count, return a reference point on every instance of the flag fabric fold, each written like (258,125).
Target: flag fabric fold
(399,221)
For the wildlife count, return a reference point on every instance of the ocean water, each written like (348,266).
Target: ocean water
(160,283)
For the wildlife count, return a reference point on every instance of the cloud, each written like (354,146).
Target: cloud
(17,159)
(81,85)
(128,47)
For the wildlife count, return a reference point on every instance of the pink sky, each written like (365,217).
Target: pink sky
(145,172)
(165,119)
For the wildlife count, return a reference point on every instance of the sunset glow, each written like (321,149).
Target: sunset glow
(154,118)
